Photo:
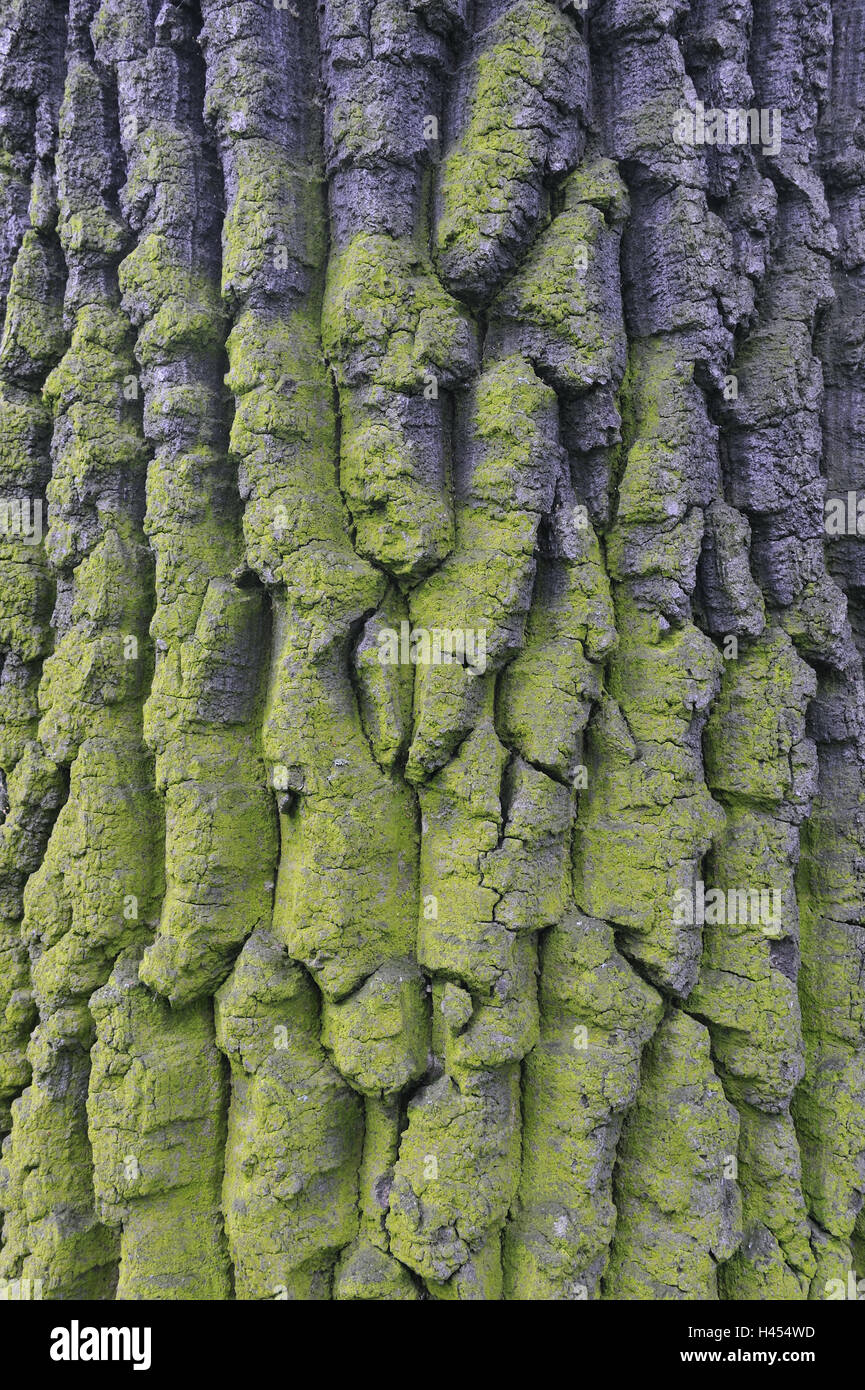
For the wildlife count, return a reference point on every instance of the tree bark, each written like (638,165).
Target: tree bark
(432,718)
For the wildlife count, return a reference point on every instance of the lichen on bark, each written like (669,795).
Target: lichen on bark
(432,712)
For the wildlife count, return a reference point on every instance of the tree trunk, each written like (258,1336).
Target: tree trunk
(432,715)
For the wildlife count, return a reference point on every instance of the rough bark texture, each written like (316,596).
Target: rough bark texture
(330,968)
